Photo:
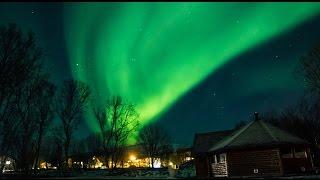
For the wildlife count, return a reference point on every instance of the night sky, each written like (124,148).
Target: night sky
(193,67)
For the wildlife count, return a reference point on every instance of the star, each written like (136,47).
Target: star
(32,11)
(77,64)
(237,21)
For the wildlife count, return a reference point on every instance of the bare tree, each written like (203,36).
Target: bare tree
(70,104)
(52,147)
(34,113)
(117,120)
(100,115)
(309,69)
(154,141)
(93,143)
(19,62)
(22,98)
(45,93)
(27,115)
(19,56)
(122,118)
(301,120)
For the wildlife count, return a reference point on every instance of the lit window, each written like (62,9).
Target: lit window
(222,158)
(300,153)
(8,162)
(215,159)
(157,163)
(286,153)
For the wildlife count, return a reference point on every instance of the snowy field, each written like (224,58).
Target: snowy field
(112,177)
(302,177)
(186,170)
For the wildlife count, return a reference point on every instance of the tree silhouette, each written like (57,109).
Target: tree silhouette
(309,69)
(117,120)
(45,94)
(21,66)
(70,104)
(154,140)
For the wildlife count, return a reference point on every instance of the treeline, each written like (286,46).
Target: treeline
(30,101)
(153,139)
(39,119)
(303,119)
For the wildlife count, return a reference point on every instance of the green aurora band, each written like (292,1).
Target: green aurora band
(153,53)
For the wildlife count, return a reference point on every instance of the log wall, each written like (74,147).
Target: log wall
(219,169)
(201,165)
(254,163)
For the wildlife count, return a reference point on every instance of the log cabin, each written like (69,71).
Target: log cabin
(257,149)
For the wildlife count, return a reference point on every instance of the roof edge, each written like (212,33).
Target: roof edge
(231,137)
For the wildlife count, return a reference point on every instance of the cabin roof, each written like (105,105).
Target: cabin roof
(204,141)
(257,133)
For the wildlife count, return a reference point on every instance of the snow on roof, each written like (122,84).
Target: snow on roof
(256,134)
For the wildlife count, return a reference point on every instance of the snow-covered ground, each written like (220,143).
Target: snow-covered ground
(302,177)
(185,171)
(161,173)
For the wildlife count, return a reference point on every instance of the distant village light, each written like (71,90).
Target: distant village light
(132,157)
(157,163)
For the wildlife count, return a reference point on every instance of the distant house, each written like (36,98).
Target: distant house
(184,154)
(254,150)
(180,156)
(132,156)
(7,163)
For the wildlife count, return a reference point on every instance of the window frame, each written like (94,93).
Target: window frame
(287,155)
(224,158)
(302,154)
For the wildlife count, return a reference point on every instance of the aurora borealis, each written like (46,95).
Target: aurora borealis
(154,53)
(157,54)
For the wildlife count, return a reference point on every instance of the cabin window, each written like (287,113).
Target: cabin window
(222,158)
(216,158)
(219,158)
(300,153)
(287,153)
